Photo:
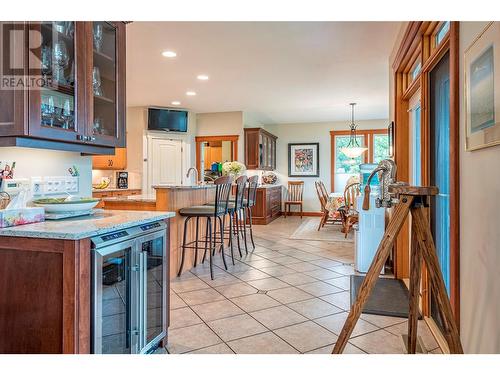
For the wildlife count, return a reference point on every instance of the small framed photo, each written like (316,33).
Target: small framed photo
(482,88)
(303,160)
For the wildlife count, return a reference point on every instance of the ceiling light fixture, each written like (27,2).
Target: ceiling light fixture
(169,54)
(176,102)
(202,77)
(190,93)
(353,149)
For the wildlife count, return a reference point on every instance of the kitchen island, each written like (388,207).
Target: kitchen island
(171,198)
(46,289)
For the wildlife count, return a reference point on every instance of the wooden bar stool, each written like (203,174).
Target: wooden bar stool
(294,196)
(215,213)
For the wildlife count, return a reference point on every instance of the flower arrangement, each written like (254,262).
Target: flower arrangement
(233,168)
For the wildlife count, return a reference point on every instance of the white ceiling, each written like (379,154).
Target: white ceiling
(279,72)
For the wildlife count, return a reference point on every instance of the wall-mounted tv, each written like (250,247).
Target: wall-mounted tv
(169,120)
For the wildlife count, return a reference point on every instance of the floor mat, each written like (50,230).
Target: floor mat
(308,230)
(388,297)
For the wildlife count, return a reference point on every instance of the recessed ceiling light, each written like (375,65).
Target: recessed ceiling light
(190,93)
(202,77)
(169,53)
(176,102)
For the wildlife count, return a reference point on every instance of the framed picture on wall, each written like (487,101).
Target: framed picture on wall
(482,89)
(303,160)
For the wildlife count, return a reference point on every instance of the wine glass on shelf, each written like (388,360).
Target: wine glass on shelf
(96,81)
(98,32)
(59,26)
(48,110)
(46,62)
(67,114)
(61,59)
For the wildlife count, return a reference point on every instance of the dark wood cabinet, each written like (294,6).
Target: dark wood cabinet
(267,205)
(76,97)
(260,149)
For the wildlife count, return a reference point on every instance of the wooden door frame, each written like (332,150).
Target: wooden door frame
(419,43)
(368,141)
(213,138)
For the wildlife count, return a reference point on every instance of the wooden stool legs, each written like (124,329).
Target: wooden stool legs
(422,249)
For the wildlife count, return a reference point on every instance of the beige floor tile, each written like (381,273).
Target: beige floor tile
(306,336)
(349,349)
(319,288)
(341,300)
(268,284)
(238,268)
(261,263)
(382,321)
(198,297)
(314,308)
(188,285)
(422,330)
(264,343)
(183,317)
(323,274)
(236,327)
(306,256)
(214,349)
(182,340)
(335,323)
(304,267)
(278,317)
(326,263)
(176,302)
(272,255)
(344,270)
(289,295)
(252,274)
(278,271)
(220,280)
(254,302)
(285,260)
(217,310)
(296,278)
(343,282)
(236,290)
(379,342)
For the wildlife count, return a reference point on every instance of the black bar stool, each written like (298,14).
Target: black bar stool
(215,212)
(249,202)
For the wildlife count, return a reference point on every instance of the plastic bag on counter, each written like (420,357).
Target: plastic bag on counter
(21,200)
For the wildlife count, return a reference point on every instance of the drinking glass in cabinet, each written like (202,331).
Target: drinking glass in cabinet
(46,61)
(96,81)
(98,36)
(48,110)
(61,59)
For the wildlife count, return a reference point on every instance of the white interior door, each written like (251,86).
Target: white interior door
(164,162)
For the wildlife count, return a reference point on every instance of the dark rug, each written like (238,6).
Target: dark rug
(388,297)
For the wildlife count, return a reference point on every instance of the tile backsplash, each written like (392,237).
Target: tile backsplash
(134,179)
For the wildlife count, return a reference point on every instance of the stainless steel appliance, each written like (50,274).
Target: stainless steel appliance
(130,290)
(122,180)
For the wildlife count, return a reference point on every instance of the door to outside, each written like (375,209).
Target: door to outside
(440,166)
(164,162)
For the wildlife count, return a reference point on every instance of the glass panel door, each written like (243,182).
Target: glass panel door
(154,258)
(345,167)
(440,167)
(104,80)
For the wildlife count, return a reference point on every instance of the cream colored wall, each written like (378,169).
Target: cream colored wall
(479,231)
(222,123)
(312,132)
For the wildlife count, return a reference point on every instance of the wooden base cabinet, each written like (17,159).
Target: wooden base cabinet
(267,206)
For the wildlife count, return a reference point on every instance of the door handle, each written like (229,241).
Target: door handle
(135,268)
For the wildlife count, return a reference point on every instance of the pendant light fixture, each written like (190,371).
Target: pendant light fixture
(353,149)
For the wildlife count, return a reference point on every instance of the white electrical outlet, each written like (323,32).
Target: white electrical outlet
(54,185)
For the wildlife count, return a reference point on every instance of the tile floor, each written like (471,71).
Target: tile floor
(287,296)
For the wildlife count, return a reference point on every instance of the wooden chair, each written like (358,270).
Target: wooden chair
(323,200)
(294,197)
(348,213)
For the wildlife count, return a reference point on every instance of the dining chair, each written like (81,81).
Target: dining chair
(348,212)
(322,193)
(295,196)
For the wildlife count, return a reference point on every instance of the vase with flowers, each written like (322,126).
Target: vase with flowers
(233,169)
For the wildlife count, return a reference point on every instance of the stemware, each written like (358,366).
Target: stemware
(97,128)
(46,61)
(59,26)
(67,114)
(61,59)
(48,110)
(98,31)
(96,81)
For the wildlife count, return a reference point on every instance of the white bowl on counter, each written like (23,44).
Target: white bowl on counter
(61,205)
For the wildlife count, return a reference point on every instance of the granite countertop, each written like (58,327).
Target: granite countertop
(86,226)
(180,187)
(132,198)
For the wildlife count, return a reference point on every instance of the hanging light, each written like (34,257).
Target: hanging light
(353,149)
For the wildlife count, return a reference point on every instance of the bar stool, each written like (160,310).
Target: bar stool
(248,203)
(215,213)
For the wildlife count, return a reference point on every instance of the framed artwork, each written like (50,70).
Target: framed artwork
(390,137)
(303,160)
(482,89)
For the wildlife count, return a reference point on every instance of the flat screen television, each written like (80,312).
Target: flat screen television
(169,120)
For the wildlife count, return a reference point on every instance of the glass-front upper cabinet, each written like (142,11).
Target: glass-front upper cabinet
(107,68)
(57,94)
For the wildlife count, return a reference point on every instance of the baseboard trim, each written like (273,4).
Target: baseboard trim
(305,213)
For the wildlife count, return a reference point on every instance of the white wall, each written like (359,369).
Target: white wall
(479,231)
(32,162)
(312,132)
(222,123)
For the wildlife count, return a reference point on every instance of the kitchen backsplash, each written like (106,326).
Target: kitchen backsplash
(42,163)
(134,179)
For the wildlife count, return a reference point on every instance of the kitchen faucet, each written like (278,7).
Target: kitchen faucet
(189,172)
